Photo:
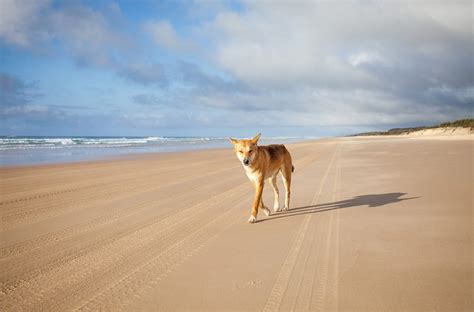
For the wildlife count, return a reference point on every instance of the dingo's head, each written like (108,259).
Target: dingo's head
(246,149)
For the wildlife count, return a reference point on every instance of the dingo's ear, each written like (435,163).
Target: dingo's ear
(255,138)
(233,141)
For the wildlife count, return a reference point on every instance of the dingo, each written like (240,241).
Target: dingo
(264,162)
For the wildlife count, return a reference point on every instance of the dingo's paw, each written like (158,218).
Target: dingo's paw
(276,207)
(252,219)
(266,211)
(286,208)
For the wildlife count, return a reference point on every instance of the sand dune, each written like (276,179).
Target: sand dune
(376,224)
(446,133)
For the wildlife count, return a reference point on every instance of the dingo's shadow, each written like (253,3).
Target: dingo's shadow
(372,200)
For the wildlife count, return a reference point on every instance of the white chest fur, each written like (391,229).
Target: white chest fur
(253,175)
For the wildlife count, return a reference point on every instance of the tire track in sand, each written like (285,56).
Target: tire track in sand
(15,269)
(49,206)
(74,277)
(52,206)
(69,185)
(320,281)
(11,194)
(55,237)
(121,294)
(314,282)
(108,277)
(110,260)
(89,197)
(278,291)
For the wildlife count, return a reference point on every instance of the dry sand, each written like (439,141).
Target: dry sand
(377,224)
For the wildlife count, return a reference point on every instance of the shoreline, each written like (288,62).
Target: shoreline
(111,158)
(419,135)
(87,154)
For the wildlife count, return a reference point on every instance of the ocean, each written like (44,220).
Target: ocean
(29,150)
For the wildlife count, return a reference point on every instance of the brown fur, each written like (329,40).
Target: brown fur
(265,162)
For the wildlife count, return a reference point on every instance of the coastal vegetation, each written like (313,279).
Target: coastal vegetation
(463,123)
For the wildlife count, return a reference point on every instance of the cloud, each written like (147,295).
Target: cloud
(146,74)
(349,62)
(282,45)
(192,75)
(16,92)
(19,98)
(95,37)
(361,58)
(261,64)
(92,37)
(21,23)
(146,99)
(189,86)
(164,34)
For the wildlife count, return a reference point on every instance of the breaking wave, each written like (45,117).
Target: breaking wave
(64,142)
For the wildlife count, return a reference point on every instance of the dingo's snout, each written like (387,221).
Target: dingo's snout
(246,161)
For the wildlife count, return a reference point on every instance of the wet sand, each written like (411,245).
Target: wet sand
(377,224)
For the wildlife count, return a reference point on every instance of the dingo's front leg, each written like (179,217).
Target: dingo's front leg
(264,208)
(257,200)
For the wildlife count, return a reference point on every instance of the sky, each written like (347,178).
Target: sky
(232,68)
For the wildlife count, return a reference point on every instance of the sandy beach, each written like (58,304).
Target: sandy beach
(376,224)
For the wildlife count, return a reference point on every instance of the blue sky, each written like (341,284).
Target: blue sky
(232,68)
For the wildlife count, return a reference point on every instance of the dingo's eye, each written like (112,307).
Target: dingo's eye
(250,151)
(241,152)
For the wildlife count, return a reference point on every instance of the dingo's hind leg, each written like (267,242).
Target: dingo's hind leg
(276,203)
(265,209)
(286,174)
